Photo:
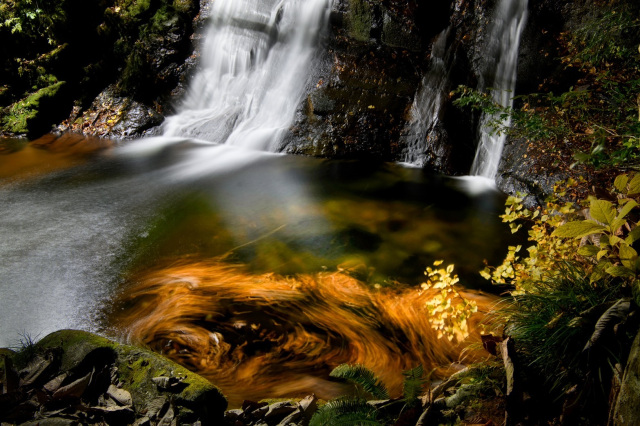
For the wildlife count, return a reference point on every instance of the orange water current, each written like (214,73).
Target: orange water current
(266,336)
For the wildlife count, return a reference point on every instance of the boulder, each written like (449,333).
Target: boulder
(81,377)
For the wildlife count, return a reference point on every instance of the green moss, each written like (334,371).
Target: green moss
(19,116)
(183,6)
(359,19)
(136,368)
(132,9)
(164,17)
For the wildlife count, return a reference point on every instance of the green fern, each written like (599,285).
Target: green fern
(361,375)
(412,385)
(345,411)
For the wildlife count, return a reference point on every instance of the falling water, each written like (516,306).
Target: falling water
(508,24)
(256,62)
(428,102)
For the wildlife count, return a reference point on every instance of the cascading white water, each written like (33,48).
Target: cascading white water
(256,63)
(508,24)
(428,102)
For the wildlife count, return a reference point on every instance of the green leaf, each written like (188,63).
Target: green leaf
(588,250)
(602,211)
(634,185)
(620,271)
(626,209)
(578,229)
(596,275)
(628,256)
(601,254)
(613,240)
(633,235)
(621,183)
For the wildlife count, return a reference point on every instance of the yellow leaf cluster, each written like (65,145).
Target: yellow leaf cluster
(599,237)
(448,310)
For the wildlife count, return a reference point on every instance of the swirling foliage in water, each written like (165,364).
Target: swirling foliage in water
(260,336)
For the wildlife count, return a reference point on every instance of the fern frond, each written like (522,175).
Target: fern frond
(412,384)
(362,376)
(345,411)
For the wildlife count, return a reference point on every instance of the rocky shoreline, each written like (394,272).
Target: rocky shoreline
(74,377)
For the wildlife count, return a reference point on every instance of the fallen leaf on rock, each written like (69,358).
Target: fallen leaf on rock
(74,389)
(121,396)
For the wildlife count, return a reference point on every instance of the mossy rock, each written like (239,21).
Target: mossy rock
(137,367)
(27,115)
(359,20)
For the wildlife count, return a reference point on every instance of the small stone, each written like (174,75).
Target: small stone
(279,409)
(233,414)
(169,383)
(249,406)
(291,418)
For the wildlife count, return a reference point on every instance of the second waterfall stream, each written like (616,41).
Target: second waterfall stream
(508,24)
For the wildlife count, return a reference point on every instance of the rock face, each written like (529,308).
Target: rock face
(368,77)
(372,70)
(72,377)
(67,53)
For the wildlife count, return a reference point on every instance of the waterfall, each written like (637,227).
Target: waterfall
(427,104)
(505,33)
(256,63)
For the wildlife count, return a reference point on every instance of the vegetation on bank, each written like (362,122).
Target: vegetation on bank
(591,104)
(573,290)
(568,318)
(84,46)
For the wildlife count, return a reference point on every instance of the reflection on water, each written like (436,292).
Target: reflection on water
(159,223)
(266,336)
(45,155)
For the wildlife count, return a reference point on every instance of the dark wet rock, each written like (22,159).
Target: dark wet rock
(113,116)
(365,83)
(279,411)
(83,378)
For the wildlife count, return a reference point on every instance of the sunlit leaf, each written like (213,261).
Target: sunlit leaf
(578,229)
(619,271)
(588,250)
(633,235)
(601,254)
(602,211)
(629,205)
(634,185)
(621,183)
(628,256)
